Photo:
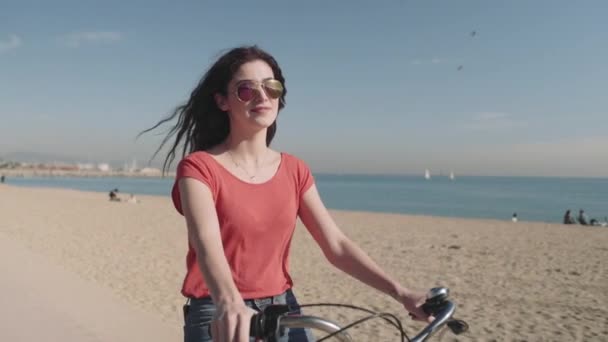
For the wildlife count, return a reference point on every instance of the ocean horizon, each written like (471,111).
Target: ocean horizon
(542,199)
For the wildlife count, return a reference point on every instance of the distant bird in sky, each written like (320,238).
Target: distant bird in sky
(472,34)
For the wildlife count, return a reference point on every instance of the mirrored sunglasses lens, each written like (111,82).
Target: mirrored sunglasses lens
(274,88)
(245,93)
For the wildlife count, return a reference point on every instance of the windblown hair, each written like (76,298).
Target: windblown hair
(201,124)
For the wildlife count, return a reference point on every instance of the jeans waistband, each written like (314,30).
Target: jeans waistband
(278,299)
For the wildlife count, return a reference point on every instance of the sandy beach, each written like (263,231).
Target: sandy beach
(124,263)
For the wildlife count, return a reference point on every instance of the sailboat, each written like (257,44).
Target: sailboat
(451,175)
(427,174)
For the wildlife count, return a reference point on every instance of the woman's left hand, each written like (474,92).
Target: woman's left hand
(412,302)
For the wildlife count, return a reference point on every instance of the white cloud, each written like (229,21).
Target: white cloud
(493,121)
(488,116)
(77,39)
(12,43)
(433,60)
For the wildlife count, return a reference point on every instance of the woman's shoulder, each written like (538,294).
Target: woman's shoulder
(291,159)
(199,162)
(298,170)
(295,164)
(198,157)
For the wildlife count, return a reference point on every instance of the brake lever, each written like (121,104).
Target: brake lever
(457,326)
(436,302)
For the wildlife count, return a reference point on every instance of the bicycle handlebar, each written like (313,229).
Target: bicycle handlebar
(441,318)
(269,323)
(312,322)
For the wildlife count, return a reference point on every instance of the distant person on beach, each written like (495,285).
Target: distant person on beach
(2,179)
(114,195)
(568,218)
(132,199)
(582,218)
(514,217)
(241,199)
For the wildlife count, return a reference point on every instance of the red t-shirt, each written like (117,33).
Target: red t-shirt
(257,222)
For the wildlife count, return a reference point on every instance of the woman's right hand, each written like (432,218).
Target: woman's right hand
(231,322)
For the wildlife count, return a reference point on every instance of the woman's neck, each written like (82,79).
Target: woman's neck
(248,149)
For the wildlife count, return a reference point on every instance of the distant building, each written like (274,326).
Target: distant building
(150,171)
(87,166)
(104,167)
(66,167)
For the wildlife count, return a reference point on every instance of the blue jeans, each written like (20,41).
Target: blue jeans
(197,320)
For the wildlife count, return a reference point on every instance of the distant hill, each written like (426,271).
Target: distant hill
(37,157)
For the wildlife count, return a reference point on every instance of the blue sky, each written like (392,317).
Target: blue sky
(374,87)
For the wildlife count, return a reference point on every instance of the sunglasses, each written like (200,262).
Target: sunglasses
(249,90)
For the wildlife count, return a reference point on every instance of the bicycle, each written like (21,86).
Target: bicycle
(268,324)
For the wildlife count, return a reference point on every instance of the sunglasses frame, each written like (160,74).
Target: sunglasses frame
(259,86)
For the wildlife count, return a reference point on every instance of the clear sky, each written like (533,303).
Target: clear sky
(374,86)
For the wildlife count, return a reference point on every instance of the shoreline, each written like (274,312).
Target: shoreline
(138,195)
(347,211)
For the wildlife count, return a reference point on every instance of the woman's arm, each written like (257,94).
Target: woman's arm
(204,236)
(232,316)
(344,254)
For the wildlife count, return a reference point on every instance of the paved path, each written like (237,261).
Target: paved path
(42,301)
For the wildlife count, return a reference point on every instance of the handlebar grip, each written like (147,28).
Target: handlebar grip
(264,324)
(436,300)
(256,328)
(433,308)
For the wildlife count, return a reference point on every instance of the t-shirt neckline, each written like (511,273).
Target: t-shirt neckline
(232,175)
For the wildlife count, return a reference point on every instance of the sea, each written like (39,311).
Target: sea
(543,199)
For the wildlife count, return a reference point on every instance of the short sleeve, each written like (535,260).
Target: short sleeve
(193,166)
(305,178)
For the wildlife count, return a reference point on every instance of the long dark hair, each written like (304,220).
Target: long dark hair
(201,124)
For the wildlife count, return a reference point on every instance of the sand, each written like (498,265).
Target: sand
(511,281)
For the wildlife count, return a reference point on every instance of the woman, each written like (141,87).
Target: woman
(241,199)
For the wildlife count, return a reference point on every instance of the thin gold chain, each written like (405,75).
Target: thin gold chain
(242,168)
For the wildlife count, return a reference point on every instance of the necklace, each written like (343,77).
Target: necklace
(251,177)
